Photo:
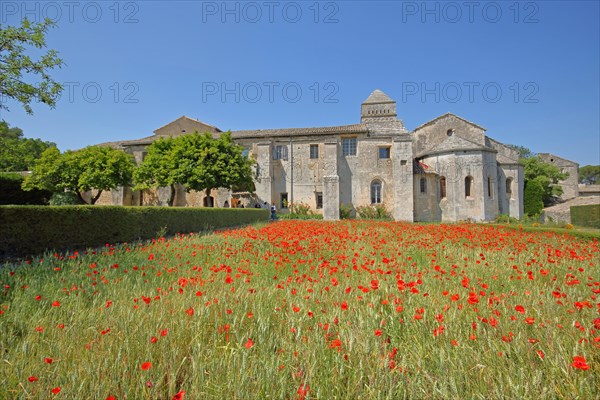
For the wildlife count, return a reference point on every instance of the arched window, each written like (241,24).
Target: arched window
(423,185)
(468,186)
(442,187)
(376,192)
(509,187)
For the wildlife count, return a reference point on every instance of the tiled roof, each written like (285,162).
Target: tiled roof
(323,130)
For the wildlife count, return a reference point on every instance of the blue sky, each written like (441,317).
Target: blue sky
(526,71)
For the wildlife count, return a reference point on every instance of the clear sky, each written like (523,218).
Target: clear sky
(529,72)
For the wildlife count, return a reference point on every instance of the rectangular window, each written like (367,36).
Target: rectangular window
(284,200)
(423,185)
(349,146)
(489,185)
(314,151)
(280,153)
(442,187)
(319,199)
(384,152)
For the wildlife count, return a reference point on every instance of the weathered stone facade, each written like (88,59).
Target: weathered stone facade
(445,170)
(570,185)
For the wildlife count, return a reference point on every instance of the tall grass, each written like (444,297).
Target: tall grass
(308,309)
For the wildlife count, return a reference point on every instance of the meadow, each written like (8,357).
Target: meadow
(308,310)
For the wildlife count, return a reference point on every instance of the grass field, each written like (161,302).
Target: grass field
(308,310)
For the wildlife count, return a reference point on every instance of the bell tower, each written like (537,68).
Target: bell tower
(378,107)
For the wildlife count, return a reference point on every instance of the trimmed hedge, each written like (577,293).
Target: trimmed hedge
(31,230)
(586,215)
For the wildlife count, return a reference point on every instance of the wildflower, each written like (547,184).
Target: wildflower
(579,362)
(146,366)
(249,343)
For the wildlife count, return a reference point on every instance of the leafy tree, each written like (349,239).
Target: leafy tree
(197,161)
(94,167)
(16,152)
(532,198)
(16,67)
(158,168)
(524,152)
(590,174)
(548,175)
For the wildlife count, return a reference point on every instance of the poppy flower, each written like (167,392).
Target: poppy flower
(190,311)
(146,366)
(56,390)
(179,395)
(48,360)
(579,362)
(32,379)
(56,304)
(249,343)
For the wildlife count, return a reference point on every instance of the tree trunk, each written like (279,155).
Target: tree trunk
(81,197)
(94,199)
(172,196)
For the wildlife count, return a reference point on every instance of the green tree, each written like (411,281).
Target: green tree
(197,161)
(92,168)
(532,198)
(158,168)
(548,175)
(524,152)
(16,67)
(16,152)
(589,175)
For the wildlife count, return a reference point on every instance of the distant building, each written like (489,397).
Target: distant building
(447,169)
(570,186)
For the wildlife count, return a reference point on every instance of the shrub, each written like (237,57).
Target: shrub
(30,230)
(65,199)
(377,211)
(588,216)
(300,211)
(345,211)
(532,198)
(12,193)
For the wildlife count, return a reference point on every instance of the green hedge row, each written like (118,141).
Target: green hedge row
(31,230)
(586,215)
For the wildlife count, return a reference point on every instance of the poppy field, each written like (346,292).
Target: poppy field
(308,310)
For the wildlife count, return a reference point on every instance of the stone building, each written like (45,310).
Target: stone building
(447,169)
(570,185)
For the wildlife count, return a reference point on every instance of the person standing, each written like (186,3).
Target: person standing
(273,212)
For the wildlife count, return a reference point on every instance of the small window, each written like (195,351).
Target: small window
(468,186)
(319,199)
(283,200)
(376,192)
(509,188)
(423,185)
(384,152)
(314,151)
(442,187)
(489,187)
(450,132)
(280,153)
(402,162)
(349,146)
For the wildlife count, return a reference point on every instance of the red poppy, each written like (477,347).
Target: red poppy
(146,366)
(153,339)
(520,309)
(378,332)
(580,363)
(32,379)
(179,395)
(249,343)
(111,398)
(56,304)
(48,360)
(56,390)
(190,311)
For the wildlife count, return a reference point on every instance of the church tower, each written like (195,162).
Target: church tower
(378,111)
